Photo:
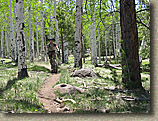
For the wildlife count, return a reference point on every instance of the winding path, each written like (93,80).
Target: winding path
(46,93)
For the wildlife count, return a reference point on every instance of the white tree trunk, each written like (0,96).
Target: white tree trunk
(26,46)
(22,67)
(66,44)
(16,46)
(95,40)
(56,24)
(106,51)
(12,39)
(33,53)
(91,37)
(30,34)
(116,42)
(113,32)
(50,27)
(6,40)
(42,36)
(99,45)
(37,44)
(119,38)
(78,34)
(2,37)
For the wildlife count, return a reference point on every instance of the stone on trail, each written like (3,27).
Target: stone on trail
(67,89)
(84,73)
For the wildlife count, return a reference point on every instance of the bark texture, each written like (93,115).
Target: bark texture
(56,28)
(129,34)
(78,34)
(93,35)
(12,39)
(2,37)
(66,44)
(33,50)
(22,67)
(30,34)
(42,35)
(6,40)
(37,44)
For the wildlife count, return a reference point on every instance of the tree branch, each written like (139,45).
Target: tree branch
(140,22)
(147,9)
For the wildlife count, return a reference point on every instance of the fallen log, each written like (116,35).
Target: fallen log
(64,100)
(113,66)
(99,83)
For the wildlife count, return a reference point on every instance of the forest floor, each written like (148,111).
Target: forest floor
(35,94)
(47,95)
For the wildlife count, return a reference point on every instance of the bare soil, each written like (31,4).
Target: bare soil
(47,96)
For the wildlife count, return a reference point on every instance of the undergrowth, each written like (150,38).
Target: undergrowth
(20,95)
(109,94)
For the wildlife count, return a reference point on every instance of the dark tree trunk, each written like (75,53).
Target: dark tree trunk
(129,34)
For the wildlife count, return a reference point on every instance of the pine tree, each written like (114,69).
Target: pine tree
(129,34)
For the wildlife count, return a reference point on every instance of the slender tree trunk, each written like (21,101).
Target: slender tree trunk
(83,50)
(42,36)
(119,38)
(26,38)
(66,44)
(92,37)
(2,37)
(16,46)
(129,34)
(106,51)
(113,39)
(50,27)
(37,44)
(12,39)
(66,52)
(78,34)
(56,28)
(62,44)
(22,67)
(33,50)
(30,34)
(6,40)
(95,40)
(99,45)
(116,45)
(142,46)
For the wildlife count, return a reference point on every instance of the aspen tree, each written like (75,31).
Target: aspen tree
(78,34)
(12,39)
(22,67)
(2,35)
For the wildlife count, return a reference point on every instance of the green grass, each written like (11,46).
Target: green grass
(20,96)
(98,97)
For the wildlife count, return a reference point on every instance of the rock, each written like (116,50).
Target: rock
(67,89)
(84,73)
(103,110)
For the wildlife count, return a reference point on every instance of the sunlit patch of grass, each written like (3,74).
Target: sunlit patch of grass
(38,68)
(20,95)
(106,93)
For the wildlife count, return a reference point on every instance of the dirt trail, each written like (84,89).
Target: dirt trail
(46,93)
